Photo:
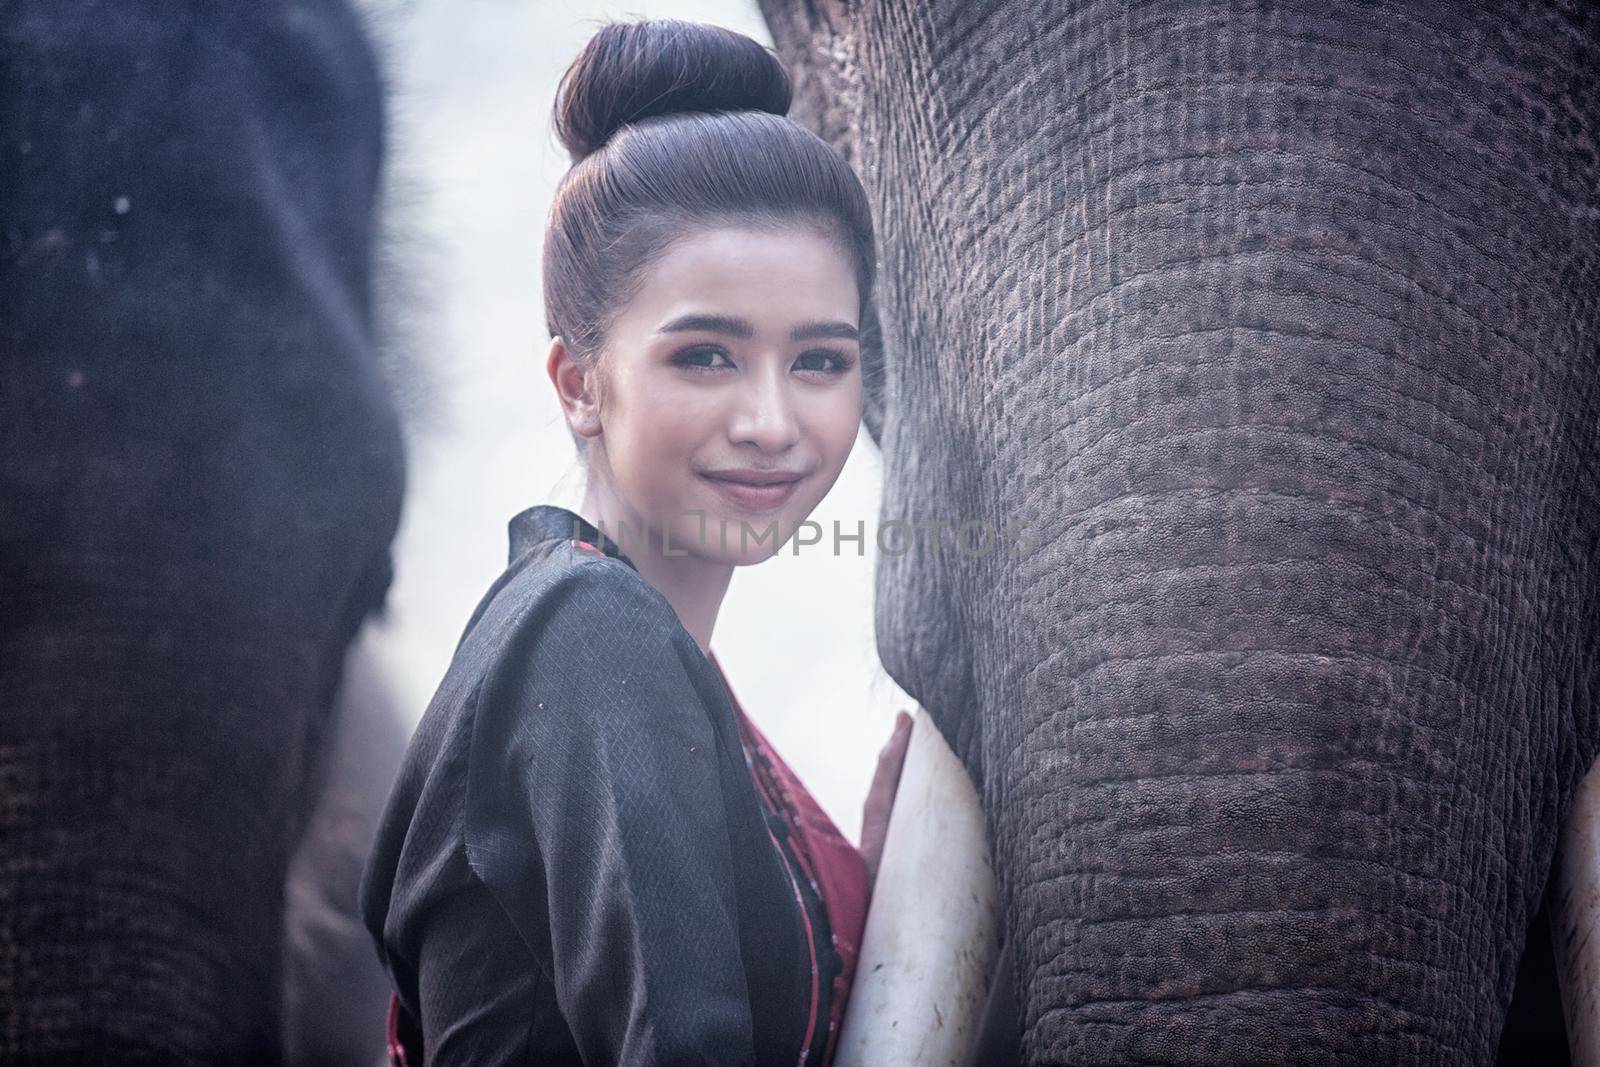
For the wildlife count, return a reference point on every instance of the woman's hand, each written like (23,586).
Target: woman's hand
(880,795)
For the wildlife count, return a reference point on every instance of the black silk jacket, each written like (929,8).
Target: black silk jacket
(575,865)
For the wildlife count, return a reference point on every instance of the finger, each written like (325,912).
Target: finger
(881,789)
(885,784)
(880,794)
(895,748)
(900,735)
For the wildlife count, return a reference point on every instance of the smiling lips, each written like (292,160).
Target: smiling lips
(755,490)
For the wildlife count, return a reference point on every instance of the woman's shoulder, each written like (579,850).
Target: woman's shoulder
(590,668)
(561,618)
(580,640)
(563,642)
(561,572)
(581,602)
(585,625)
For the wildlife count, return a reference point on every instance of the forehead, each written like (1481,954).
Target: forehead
(772,277)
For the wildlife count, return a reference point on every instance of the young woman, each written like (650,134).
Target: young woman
(591,854)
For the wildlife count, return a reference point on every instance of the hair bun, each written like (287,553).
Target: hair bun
(632,70)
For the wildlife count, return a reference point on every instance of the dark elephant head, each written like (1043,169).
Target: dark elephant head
(200,474)
(1276,326)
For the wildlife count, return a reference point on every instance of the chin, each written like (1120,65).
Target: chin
(755,546)
(744,559)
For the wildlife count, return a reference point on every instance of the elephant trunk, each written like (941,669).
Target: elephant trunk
(1313,685)
(158,761)
(200,475)
(1277,327)
(141,903)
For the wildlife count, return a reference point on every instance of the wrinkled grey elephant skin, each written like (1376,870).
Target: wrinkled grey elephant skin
(1277,325)
(200,475)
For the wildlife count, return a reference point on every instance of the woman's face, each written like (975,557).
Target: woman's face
(738,360)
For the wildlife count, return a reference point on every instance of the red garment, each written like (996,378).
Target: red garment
(837,870)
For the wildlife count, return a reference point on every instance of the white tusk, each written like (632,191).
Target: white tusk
(1574,918)
(932,931)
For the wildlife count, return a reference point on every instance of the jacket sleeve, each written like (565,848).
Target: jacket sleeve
(595,816)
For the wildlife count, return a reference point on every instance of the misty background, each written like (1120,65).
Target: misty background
(473,165)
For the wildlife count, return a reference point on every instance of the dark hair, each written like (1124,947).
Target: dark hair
(674,126)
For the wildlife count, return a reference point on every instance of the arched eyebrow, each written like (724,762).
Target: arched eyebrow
(741,328)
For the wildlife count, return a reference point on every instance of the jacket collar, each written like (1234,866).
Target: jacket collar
(543,524)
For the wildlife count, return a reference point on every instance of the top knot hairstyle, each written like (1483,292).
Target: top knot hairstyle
(676,126)
(631,71)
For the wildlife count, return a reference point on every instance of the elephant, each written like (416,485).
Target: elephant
(1288,368)
(1275,325)
(201,469)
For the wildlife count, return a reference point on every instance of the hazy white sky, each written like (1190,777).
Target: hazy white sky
(477,162)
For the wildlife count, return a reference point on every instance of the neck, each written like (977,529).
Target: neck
(692,584)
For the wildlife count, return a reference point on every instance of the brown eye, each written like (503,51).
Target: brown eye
(690,358)
(832,362)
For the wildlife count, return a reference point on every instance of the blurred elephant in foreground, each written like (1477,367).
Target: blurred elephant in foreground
(201,470)
(1276,326)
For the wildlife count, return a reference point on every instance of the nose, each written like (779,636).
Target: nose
(764,413)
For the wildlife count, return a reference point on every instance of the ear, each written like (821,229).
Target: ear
(575,388)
